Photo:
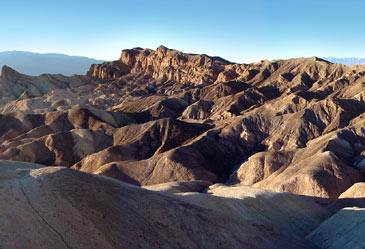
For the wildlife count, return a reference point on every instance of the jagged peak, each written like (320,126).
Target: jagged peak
(315,58)
(164,51)
(8,71)
(162,48)
(162,63)
(173,65)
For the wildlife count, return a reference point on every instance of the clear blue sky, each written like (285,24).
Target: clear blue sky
(240,31)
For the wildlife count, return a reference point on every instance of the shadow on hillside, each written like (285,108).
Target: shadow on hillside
(346,202)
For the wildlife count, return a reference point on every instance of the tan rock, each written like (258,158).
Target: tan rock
(352,197)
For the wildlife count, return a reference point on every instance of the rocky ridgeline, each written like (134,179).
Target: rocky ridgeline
(163,64)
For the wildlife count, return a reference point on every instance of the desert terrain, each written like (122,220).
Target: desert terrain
(165,149)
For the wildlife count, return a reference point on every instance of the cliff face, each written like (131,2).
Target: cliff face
(162,64)
(166,65)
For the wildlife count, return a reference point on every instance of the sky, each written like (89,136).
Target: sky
(241,31)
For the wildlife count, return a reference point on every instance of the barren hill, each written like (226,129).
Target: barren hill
(167,121)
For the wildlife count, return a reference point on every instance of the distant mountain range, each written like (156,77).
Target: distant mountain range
(37,64)
(52,63)
(346,61)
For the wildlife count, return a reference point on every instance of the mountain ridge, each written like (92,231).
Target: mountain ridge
(42,63)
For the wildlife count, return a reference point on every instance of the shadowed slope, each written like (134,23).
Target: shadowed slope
(72,209)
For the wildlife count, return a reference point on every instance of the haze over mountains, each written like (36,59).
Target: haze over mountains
(346,61)
(36,64)
(164,149)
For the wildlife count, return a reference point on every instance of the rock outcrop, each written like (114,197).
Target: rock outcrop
(352,197)
(163,64)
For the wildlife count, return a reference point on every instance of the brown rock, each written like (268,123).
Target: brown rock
(163,64)
(352,197)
